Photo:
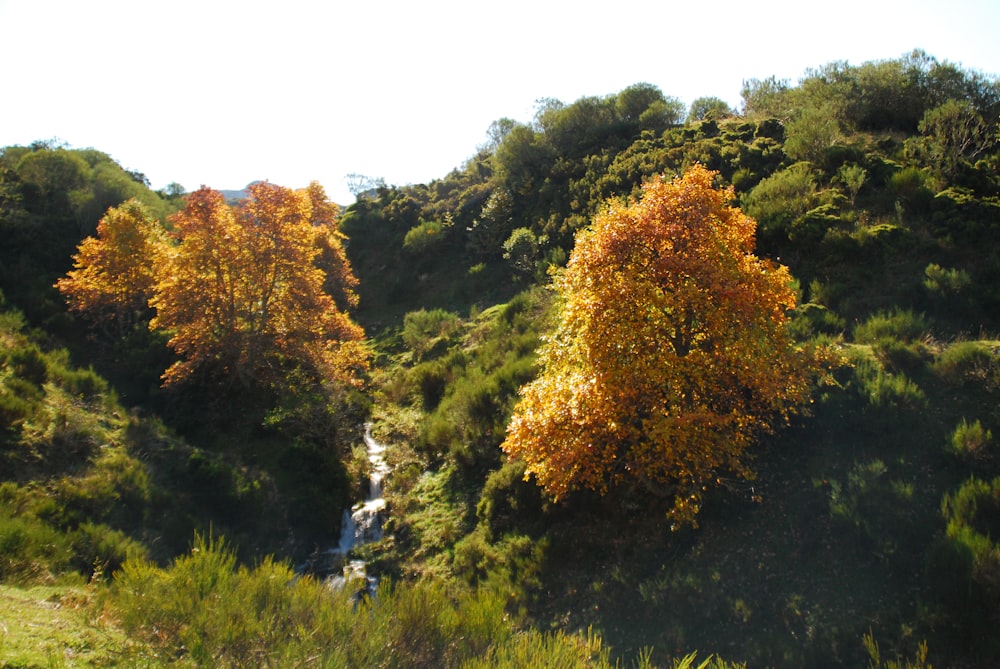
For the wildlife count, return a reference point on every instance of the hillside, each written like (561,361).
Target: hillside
(871,516)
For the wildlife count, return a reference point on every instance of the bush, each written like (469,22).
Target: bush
(906,187)
(28,362)
(881,389)
(781,198)
(206,609)
(968,362)
(431,380)
(515,561)
(99,550)
(508,501)
(424,237)
(424,330)
(901,325)
(964,565)
(31,551)
(546,651)
(521,250)
(945,283)
(902,356)
(810,320)
(970,442)
(874,508)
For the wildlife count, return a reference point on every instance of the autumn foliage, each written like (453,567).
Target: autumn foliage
(240,292)
(672,351)
(114,274)
(247,293)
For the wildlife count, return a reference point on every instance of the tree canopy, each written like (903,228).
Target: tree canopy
(114,274)
(671,354)
(241,290)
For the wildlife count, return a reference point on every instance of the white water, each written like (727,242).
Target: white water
(363,522)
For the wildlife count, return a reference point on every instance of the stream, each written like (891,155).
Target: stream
(362,523)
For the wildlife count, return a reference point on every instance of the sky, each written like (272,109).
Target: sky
(222,93)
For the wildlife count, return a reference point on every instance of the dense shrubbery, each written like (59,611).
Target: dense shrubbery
(206,610)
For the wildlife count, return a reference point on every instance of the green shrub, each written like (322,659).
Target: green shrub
(546,651)
(875,661)
(874,507)
(508,501)
(898,324)
(945,283)
(964,564)
(18,400)
(32,551)
(434,515)
(894,391)
(424,237)
(99,551)
(29,363)
(781,198)
(813,225)
(424,330)
(431,380)
(970,442)
(901,356)
(975,505)
(881,389)
(521,250)
(811,319)
(115,488)
(205,609)
(968,362)
(515,560)
(67,421)
(906,187)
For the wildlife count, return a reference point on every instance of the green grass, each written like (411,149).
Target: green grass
(58,626)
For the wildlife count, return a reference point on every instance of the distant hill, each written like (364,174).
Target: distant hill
(237,195)
(234,196)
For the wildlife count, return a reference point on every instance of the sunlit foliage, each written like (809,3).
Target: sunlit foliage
(240,292)
(671,355)
(114,274)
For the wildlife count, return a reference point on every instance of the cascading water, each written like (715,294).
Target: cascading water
(363,522)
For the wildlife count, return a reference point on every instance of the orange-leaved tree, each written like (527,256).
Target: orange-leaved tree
(241,293)
(671,353)
(114,275)
(340,282)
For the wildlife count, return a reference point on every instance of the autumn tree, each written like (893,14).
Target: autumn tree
(241,292)
(114,275)
(339,282)
(671,354)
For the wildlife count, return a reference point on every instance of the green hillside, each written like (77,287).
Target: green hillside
(171,514)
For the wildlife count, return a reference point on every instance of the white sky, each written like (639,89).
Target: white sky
(222,93)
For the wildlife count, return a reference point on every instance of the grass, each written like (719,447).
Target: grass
(57,626)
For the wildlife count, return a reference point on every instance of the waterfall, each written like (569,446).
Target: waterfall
(363,522)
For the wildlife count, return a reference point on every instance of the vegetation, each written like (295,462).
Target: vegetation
(671,355)
(861,208)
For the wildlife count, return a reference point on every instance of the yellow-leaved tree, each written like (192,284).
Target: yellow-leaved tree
(671,353)
(114,276)
(242,293)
